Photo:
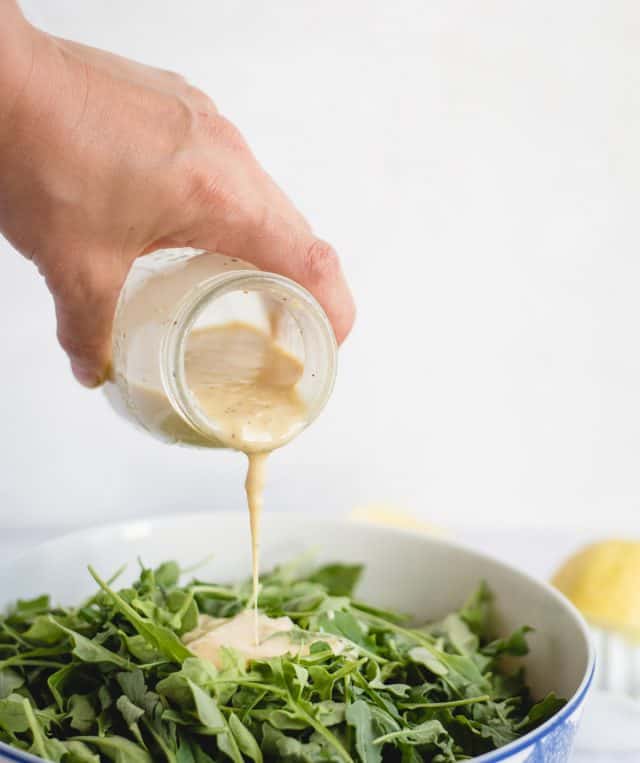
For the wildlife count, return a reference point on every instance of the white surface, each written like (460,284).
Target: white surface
(611,725)
(476,164)
(538,554)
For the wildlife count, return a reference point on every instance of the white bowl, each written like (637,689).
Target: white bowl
(424,576)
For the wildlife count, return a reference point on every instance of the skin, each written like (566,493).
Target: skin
(104,160)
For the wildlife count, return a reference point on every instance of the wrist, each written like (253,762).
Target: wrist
(32,79)
(17,42)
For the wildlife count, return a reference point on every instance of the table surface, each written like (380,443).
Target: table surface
(538,552)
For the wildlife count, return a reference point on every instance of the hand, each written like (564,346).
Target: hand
(104,159)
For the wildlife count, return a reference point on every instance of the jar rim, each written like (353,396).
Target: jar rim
(174,343)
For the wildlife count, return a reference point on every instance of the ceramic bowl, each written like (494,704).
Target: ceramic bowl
(414,573)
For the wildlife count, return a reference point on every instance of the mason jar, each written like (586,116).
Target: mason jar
(169,294)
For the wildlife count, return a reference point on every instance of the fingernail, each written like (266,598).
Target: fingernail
(86,376)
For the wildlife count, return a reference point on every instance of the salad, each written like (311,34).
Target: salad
(115,678)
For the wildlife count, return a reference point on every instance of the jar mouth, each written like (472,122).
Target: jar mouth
(318,339)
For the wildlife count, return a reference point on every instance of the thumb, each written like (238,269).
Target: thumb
(85,305)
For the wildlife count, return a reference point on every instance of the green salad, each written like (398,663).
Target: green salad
(112,679)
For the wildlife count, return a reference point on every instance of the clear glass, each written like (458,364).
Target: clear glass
(171,292)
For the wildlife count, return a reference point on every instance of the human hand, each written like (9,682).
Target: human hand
(104,160)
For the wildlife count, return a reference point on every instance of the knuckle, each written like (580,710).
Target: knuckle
(174,78)
(321,263)
(203,186)
(219,192)
(181,87)
(227,133)
(200,100)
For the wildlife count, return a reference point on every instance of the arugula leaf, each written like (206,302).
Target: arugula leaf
(44,631)
(360,718)
(245,740)
(163,639)
(515,645)
(113,680)
(91,651)
(9,680)
(476,611)
(426,733)
(167,574)
(13,716)
(131,713)
(81,713)
(117,748)
(29,607)
(541,712)
(338,579)
(78,752)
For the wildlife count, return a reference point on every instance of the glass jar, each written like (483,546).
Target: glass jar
(170,293)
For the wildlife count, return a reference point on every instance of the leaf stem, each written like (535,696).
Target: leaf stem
(440,705)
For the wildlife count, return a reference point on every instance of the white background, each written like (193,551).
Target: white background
(477,165)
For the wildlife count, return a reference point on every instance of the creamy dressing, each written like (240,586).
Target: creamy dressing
(245,383)
(276,637)
(254,486)
(254,638)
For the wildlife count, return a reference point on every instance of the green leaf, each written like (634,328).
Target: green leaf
(184,611)
(244,738)
(140,648)
(26,608)
(81,713)
(43,630)
(476,611)
(133,685)
(13,717)
(9,680)
(338,579)
(360,718)
(515,645)
(130,713)
(279,747)
(90,651)
(424,657)
(78,752)
(117,749)
(466,669)
(50,749)
(462,638)
(190,751)
(163,639)
(330,713)
(282,719)
(541,712)
(57,682)
(429,732)
(175,686)
(206,708)
(167,574)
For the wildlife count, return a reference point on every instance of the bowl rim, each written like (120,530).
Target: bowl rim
(133,525)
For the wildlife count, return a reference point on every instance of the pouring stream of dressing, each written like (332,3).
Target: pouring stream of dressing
(246,383)
(254,485)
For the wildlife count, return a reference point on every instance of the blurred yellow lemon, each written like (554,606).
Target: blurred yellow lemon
(603,581)
(390,516)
